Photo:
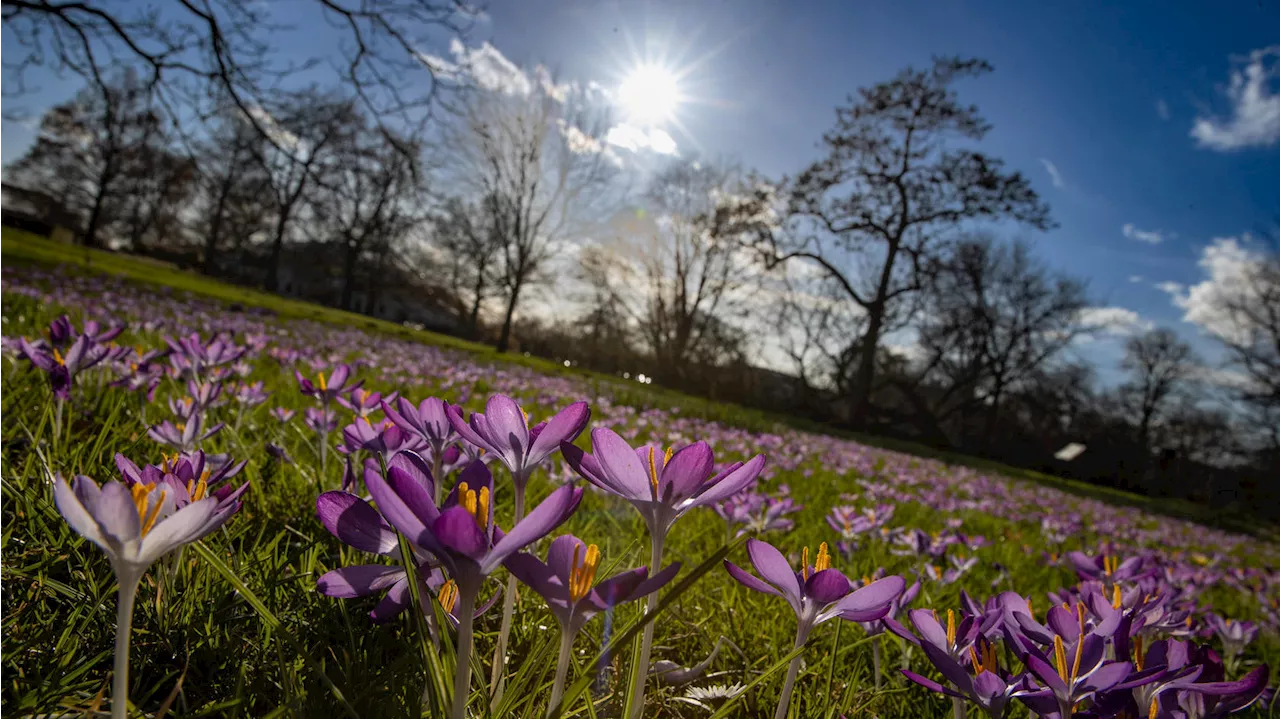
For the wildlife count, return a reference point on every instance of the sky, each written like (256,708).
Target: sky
(1151,128)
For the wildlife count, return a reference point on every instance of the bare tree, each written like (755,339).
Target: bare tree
(84,146)
(154,186)
(537,163)
(464,236)
(195,55)
(1250,330)
(871,214)
(235,186)
(1160,366)
(307,130)
(993,316)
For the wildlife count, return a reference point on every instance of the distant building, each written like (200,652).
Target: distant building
(38,213)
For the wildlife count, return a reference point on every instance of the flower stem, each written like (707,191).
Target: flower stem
(437,463)
(562,671)
(793,671)
(875,660)
(508,611)
(124,628)
(466,639)
(640,672)
(958,712)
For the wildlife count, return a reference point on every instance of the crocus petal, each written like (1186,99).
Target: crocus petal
(877,595)
(731,484)
(75,513)
(536,575)
(1063,623)
(590,469)
(1248,687)
(775,569)
(930,684)
(396,511)
(931,632)
(564,427)
(352,520)
(359,580)
(544,518)
(1046,673)
(128,469)
(561,555)
(657,581)
(749,580)
(508,430)
(948,667)
(1107,676)
(183,526)
(620,463)
(395,601)
(456,529)
(116,513)
(618,589)
(412,492)
(827,586)
(687,470)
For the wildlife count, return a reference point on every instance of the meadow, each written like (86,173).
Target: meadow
(1028,578)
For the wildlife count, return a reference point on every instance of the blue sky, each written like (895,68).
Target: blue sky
(1106,94)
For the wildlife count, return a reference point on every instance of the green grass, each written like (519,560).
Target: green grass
(24,247)
(237,628)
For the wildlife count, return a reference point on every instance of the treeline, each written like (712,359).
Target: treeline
(889,282)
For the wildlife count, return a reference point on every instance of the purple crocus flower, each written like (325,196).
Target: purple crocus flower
(463,536)
(364,403)
(250,394)
(320,420)
(984,683)
(284,414)
(62,369)
(1077,670)
(190,477)
(327,390)
(384,438)
(429,420)
(191,357)
(1211,700)
(567,582)
(817,593)
(1235,635)
(183,436)
(503,429)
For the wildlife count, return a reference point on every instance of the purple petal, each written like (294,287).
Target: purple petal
(564,427)
(774,569)
(948,667)
(508,429)
(413,493)
(396,511)
(185,525)
(359,580)
(687,470)
(352,520)
(930,684)
(1064,623)
(116,513)
(457,530)
(561,555)
(1046,673)
(1107,676)
(618,589)
(620,464)
(537,524)
(465,431)
(536,575)
(69,505)
(827,586)
(877,595)
(396,601)
(731,484)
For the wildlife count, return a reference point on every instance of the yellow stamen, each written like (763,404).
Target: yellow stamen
(1060,657)
(1155,708)
(986,661)
(977,664)
(1138,658)
(804,564)
(823,562)
(583,576)
(321,381)
(666,456)
(199,490)
(1116,599)
(482,508)
(653,472)
(141,498)
(182,426)
(448,595)
(1075,665)
(468,501)
(57,357)
(951,628)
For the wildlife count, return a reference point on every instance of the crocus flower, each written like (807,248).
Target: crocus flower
(429,421)
(567,582)
(134,527)
(183,436)
(662,487)
(1235,635)
(1077,670)
(817,593)
(190,478)
(384,438)
(463,536)
(503,429)
(284,414)
(250,394)
(327,390)
(62,369)
(364,403)
(984,684)
(191,357)
(1211,700)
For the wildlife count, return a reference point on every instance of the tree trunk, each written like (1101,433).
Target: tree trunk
(504,339)
(866,373)
(349,274)
(277,247)
(215,228)
(95,219)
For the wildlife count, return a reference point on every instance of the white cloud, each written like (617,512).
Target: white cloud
(635,139)
(1227,265)
(488,69)
(1113,320)
(1254,120)
(1173,288)
(1162,109)
(1151,237)
(1135,279)
(1054,175)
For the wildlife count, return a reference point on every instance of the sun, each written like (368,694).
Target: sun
(649,95)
